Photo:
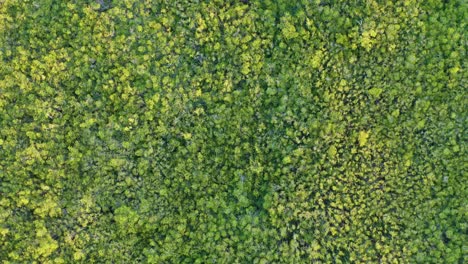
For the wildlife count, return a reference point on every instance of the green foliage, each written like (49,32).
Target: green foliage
(233,131)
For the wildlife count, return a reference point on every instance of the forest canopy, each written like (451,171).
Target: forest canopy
(192,131)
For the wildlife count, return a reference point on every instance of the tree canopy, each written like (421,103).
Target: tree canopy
(219,131)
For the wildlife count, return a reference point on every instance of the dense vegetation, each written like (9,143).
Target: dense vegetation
(274,131)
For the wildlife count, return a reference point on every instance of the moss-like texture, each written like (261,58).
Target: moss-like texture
(233,131)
